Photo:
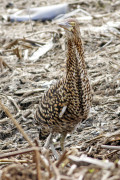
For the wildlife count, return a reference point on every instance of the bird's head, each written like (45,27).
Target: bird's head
(71,26)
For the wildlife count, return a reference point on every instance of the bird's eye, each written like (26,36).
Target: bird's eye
(72,23)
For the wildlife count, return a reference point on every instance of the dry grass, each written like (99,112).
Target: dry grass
(23,81)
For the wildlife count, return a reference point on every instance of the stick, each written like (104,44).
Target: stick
(2,62)
(14,161)
(98,137)
(110,147)
(31,41)
(14,103)
(37,159)
(26,137)
(15,153)
(84,160)
(16,124)
(61,159)
(40,32)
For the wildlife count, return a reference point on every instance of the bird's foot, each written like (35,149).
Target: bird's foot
(50,143)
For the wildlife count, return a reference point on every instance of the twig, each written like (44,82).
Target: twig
(42,50)
(14,103)
(109,42)
(27,114)
(98,137)
(29,92)
(3,120)
(40,32)
(31,41)
(14,42)
(114,32)
(110,147)
(16,51)
(37,158)
(25,45)
(30,99)
(106,155)
(78,3)
(58,176)
(56,172)
(84,160)
(4,73)
(82,173)
(25,136)
(16,124)
(28,150)
(71,170)
(15,153)
(110,154)
(3,63)
(112,100)
(61,159)
(116,4)
(46,164)
(19,114)
(15,160)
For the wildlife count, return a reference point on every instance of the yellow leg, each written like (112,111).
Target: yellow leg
(50,143)
(62,139)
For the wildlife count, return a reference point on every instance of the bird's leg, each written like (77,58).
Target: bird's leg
(62,139)
(50,143)
(55,153)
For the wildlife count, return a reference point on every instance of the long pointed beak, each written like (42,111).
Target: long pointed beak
(65,25)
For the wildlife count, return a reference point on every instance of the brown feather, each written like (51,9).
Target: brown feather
(67,102)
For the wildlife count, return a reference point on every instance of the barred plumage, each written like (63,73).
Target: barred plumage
(67,102)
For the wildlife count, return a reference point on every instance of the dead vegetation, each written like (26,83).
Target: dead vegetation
(32,57)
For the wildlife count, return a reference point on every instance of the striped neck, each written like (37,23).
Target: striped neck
(70,56)
(79,46)
(75,54)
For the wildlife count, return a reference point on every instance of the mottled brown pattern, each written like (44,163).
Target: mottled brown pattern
(68,102)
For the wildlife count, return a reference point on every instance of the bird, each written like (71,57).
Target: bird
(66,103)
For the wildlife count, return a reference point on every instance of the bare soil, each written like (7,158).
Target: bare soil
(23,81)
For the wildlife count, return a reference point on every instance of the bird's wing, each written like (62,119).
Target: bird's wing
(53,104)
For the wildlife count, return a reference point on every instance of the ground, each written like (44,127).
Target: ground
(24,80)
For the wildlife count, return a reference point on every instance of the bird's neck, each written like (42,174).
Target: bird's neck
(77,79)
(75,55)
(80,50)
(70,56)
